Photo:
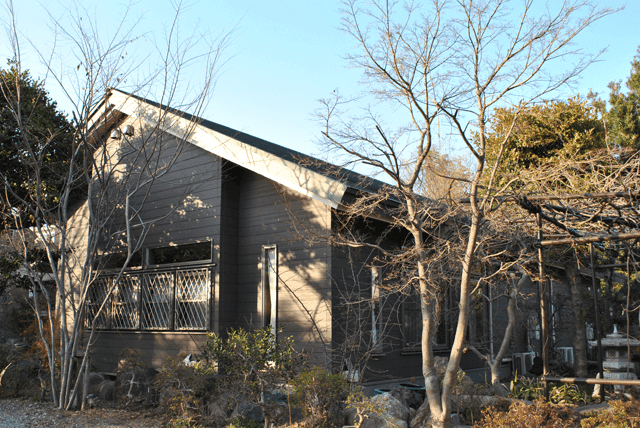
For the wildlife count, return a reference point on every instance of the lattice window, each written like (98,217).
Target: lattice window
(165,299)
(96,295)
(192,299)
(125,310)
(156,300)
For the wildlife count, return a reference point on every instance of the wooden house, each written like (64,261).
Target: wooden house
(232,231)
(235,236)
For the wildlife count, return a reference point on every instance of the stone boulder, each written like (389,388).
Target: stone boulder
(440,364)
(391,412)
(105,390)
(422,416)
(94,380)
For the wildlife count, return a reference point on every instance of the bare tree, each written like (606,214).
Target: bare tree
(445,67)
(105,182)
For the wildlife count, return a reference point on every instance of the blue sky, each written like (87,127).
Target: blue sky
(287,54)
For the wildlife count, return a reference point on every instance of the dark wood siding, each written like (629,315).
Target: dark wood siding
(352,340)
(186,201)
(269,214)
(153,345)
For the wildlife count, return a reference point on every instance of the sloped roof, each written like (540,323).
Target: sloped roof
(313,177)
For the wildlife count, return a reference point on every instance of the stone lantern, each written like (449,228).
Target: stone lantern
(617,363)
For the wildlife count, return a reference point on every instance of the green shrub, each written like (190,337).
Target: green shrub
(621,415)
(255,364)
(20,376)
(532,389)
(540,414)
(241,422)
(182,392)
(320,394)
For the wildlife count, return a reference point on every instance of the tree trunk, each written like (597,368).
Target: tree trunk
(580,337)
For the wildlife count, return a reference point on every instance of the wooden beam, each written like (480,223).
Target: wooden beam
(591,381)
(595,195)
(590,239)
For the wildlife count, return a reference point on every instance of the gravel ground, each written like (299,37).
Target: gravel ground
(19,414)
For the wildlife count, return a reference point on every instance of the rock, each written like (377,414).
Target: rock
(465,385)
(95,379)
(379,421)
(252,412)
(403,395)
(422,417)
(92,400)
(455,419)
(590,408)
(105,390)
(217,409)
(440,364)
(393,412)
(392,406)
(350,416)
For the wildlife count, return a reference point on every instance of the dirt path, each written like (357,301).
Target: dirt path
(19,414)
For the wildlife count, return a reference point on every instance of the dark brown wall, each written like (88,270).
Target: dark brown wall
(272,215)
(153,345)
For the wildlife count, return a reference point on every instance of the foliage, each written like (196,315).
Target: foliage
(364,407)
(623,414)
(320,394)
(37,349)
(256,363)
(35,145)
(623,116)
(241,422)
(131,360)
(543,134)
(540,414)
(532,389)
(183,391)
(526,389)
(9,264)
(257,357)
(439,85)
(48,167)
(20,375)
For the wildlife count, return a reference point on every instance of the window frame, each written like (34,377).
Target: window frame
(179,302)
(442,330)
(273,288)
(377,307)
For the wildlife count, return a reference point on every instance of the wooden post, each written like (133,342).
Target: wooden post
(597,314)
(543,312)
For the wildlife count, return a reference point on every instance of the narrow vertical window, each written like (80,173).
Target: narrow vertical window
(270,287)
(376,311)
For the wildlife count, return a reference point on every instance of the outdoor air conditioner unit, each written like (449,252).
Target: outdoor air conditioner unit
(565,354)
(522,362)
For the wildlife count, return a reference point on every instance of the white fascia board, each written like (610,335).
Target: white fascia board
(292,175)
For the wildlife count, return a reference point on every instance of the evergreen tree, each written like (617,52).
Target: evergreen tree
(543,133)
(35,147)
(624,115)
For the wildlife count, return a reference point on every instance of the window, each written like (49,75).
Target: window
(125,297)
(270,287)
(173,295)
(96,296)
(377,328)
(186,253)
(113,261)
(412,323)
